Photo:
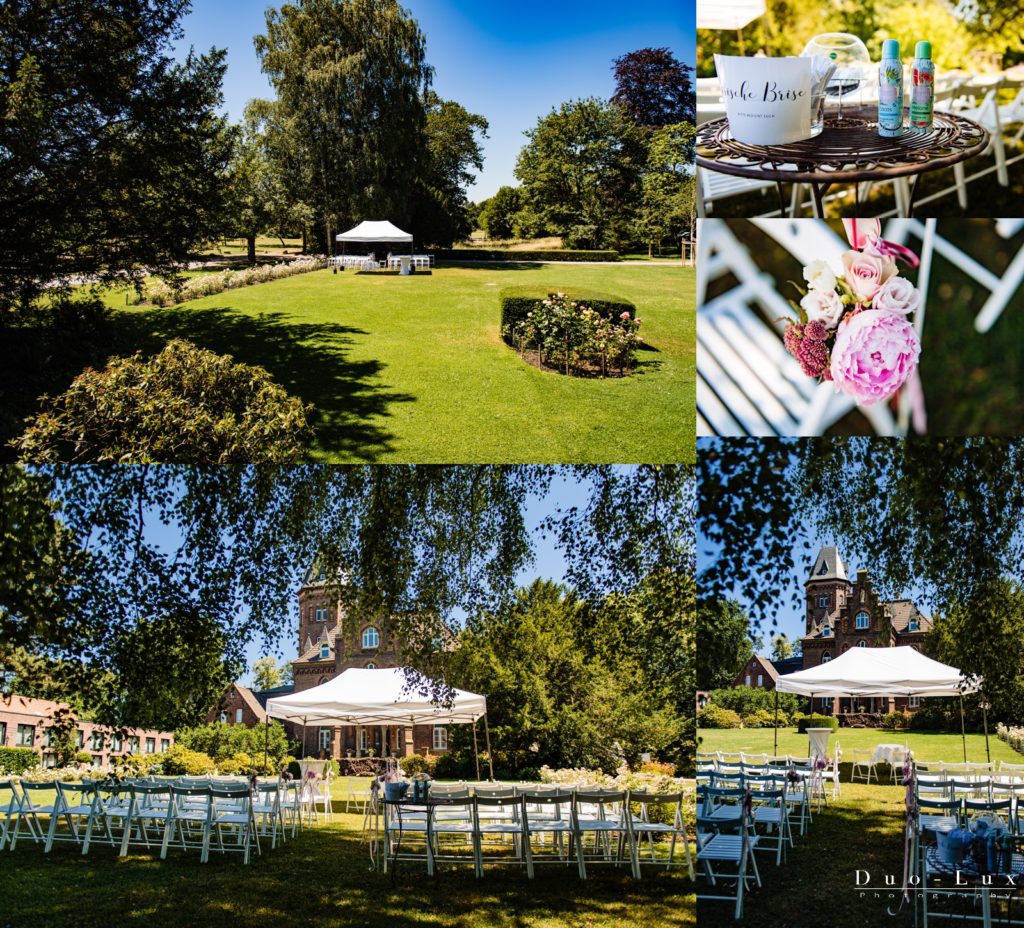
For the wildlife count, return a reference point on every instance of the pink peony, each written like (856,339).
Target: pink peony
(862,231)
(865,273)
(897,295)
(874,353)
(823,306)
(625,315)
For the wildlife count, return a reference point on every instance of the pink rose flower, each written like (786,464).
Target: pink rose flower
(824,306)
(874,353)
(865,273)
(862,231)
(897,295)
(625,315)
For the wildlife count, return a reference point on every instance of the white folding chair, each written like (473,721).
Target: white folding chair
(268,811)
(501,817)
(725,842)
(189,820)
(234,810)
(10,806)
(656,828)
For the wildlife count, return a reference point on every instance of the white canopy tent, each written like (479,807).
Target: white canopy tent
(729,15)
(378,697)
(902,671)
(373,232)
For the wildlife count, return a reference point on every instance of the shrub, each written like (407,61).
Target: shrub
(747,699)
(517,302)
(1014,737)
(657,768)
(83,757)
(896,720)
(551,254)
(419,763)
(180,761)
(817,721)
(17,760)
(185,405)
(760,718)
(712,716)
(929,718)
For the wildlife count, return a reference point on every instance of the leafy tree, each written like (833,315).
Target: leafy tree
(63,731)
(221,740)
(498,213)
(113,154)
(668,185)
(782,647)
(453,151)
(267,675)
(250,181)
(580,172)
(654,88)
(351,78)
(723,642)
(184,404)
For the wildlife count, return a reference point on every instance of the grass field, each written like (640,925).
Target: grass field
(925,746)
(414,369)
(322,877)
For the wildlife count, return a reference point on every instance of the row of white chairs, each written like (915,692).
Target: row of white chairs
(526,827)
(154,813)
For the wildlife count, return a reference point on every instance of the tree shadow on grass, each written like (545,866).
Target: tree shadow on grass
(310,360)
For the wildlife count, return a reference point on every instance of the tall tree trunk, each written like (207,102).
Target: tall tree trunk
(250,244)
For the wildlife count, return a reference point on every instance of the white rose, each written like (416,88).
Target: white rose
(819,276)
(825,306)
(897,295)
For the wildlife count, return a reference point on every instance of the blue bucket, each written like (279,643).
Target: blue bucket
(395,791)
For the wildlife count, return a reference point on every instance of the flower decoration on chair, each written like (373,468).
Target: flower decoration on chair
(855,329)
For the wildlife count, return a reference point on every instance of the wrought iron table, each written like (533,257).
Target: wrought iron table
(849,150)
(968,879)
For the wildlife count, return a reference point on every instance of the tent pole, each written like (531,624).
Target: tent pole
(963,731)
(808,739)
(984,719)
(266,735)
(776,748)
(487,737)
(476,752)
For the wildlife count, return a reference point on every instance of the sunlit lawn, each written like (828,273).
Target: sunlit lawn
(321,878)
(414,368)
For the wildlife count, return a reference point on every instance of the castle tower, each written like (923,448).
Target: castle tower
(319,611)
(827,588)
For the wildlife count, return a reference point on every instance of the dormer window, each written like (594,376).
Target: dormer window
(325,651)
(371,638)
(823,569)
(913,626)
(862,643)
(862,620)
(823,602)
(826,631)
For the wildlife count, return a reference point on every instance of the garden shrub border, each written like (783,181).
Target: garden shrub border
(558,254)
(17,760)
(516,302)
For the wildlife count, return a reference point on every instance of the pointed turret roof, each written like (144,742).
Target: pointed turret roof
(828,565)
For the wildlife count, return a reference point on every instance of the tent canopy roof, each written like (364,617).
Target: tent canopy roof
(902,671)
(728,14)
(368,231)
(373,697)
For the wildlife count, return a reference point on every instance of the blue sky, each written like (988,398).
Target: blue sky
(511,63)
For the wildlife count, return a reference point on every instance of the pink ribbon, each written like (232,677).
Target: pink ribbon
(878,245)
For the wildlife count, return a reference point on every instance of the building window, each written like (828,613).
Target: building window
(325,651)
(26,736)
(116,743)
(826,631)
(863,596)
(371,638)
(371,666)
(760,679)
(151,745)
(826,657)
(49,761)
(913,625)
(823,601)
(862,620)
(862,643)
(47,737)
(238,716)
(133,744)
(914,702)
(321,613)
(96,741)
(80,737)
(165,744)
(224,716)
(363,742)
(3,734)
(440,738)
(748,679)
(841,599)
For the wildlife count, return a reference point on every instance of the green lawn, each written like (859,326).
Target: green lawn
(414,369)
(321,878)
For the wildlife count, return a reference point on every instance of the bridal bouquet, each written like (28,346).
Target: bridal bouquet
(855,329)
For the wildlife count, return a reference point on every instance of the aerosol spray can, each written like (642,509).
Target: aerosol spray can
(922,93)
(890,91)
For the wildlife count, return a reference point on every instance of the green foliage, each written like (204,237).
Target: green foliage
(83,757)
(518,302)
(223,741)
(817,721)
(580,170)
(184,404)
(17,760)
(782,647)
(762,718)
(748,699)
(113,151)
(896,720)
(497,214)
(63,739)
(654,88)
(712,716)
(419,763)
(723,642)
(180,761)
(268,675)
(551,254)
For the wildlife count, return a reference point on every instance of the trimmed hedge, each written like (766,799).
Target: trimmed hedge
(17,760)
(712,716)
(516,302)
(817,721)
(487,254)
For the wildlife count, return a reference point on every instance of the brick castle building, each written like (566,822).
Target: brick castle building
(331,641)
